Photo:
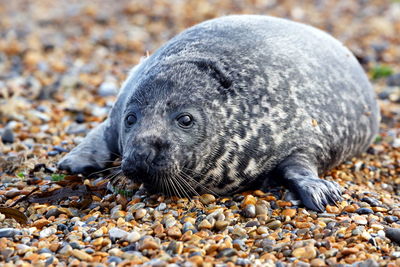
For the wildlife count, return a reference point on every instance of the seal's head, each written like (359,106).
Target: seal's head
(170,124)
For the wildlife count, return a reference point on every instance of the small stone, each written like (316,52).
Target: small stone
(262,230)
(391,219)
(221,225)
(114,259)
(249,211)
(108,88)
(116,233)
(289,212)
(65,250)
(379,209)
(197,260)
(133,237)
(317,262)
(205,224)
(8,136)
(207,199)
(53,212)
(161,207)
(307,252)
(274,224)
(140,213)
(332,209)
(6,252)
(364,211)
(360,220)
(226,252)
(262,208)
(52,153)
(249,200)
(81,255)
(148,243)
(239,232)
(349,251)
(40,223)
(115,252)
(174,232)
(98,241)
(393,234)
(393,80)
(47,232)
(98,233)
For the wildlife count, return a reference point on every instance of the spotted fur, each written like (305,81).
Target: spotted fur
(271,99)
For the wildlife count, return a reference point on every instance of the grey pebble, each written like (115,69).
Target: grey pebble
(249,211)
(393,80)
(8,136)
(115,259)
(9,232)
(364,211)
(116,233)
(226,252)
(161,207)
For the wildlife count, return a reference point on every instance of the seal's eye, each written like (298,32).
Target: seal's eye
(130,120)
(185,120)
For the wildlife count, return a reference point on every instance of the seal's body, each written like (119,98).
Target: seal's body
(234,101)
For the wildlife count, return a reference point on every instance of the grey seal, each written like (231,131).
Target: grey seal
(237,102)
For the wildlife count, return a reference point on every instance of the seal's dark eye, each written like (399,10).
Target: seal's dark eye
(130,119)
(185,120)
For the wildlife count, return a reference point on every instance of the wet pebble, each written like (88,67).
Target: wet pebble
(364,211)
(207,199)
(9,232)
(249,211)
(393,234)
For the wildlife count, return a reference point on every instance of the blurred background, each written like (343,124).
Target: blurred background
(62,62)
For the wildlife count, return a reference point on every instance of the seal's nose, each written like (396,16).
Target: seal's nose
(147,158)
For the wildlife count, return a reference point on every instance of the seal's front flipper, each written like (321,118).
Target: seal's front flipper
(302,179)
(90,155)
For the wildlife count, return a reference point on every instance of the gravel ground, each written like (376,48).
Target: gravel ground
(61,63)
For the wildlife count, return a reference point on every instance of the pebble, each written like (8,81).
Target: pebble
(205,224)
(148,243)
(289,212)
(360,220)
(133,237)
(174,232)
(8,136)
(307,252)
(221,225)
(226,252)
(393,80)
(317,262)
(47,232)
(207,199)
(275,224)
(52,153)
(9,232)
(65,250)
(116,233)
(393,234)
(364,211)
(40,223)
(140,213)
(249,211)
(82,255)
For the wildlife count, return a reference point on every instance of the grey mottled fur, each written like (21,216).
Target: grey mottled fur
(270,98)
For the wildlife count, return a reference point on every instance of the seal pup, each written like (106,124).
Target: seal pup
(236,102)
